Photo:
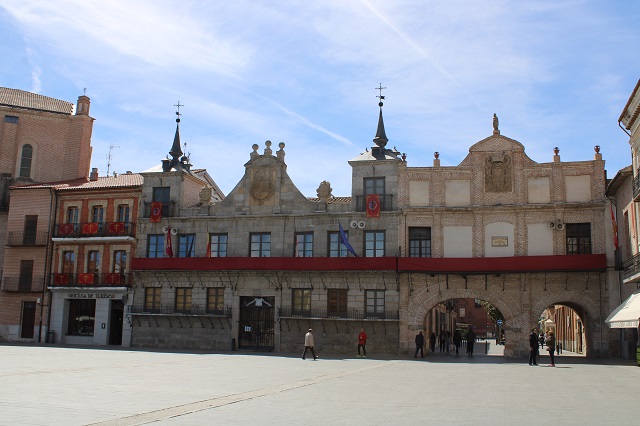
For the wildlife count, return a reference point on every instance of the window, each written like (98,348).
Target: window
(183,299)
(304,244)
(374,186)
(301,301)
(217,245)
(93,261)
(337,302)
(68,262)
(26,275)
(81,317)
(11,119)
(152,299)
(578,238)
(419,242)
(187,245)
(155,245)
(374,303)
(374,244)
(25,161)
(215,300)
(336,248)
(161,194)
(72,215)
(119,261)
(260,245)
(123,213)
(30,227)
(97,214)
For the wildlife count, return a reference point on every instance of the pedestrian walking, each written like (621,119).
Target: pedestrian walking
(441,341)
(362,343)
(308,345)
(447,340)
(471,338)
(432,341)
(533,346)
(419,345)
(457,341)
(551,347)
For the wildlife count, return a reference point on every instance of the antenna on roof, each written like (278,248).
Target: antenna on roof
(110,156)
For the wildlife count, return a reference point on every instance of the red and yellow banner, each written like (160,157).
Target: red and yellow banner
(156,212)
(85,279)
(373,205)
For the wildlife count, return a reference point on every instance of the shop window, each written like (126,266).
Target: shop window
(337,302)
(81,317)
(304,244)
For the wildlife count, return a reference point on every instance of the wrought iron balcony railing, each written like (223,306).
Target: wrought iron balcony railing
(113,279)
(386,202)
(22,285)
(168,209)
(636,188)
(95,229)
(193,310)
(357,314)
(21,238)
(631,267)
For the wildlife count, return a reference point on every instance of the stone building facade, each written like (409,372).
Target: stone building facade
(41,140)
(260,267)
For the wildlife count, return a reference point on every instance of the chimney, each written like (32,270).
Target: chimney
(94,174)
(83,105)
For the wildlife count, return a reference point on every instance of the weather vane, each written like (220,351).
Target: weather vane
(380,88)
(178,111)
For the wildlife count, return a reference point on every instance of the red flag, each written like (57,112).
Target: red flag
(373,205)
(168,248)
(614,226)
(156,212)
(208,245)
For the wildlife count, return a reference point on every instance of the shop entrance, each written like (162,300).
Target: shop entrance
(28,320)
(256,330)
(115,322)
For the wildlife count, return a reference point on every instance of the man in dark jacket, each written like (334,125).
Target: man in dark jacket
(533,346)
(471,339)
(457,340)
(419,345)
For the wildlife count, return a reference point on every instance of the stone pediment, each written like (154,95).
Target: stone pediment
(495,146)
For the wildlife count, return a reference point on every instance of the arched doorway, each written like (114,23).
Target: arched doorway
(568,322)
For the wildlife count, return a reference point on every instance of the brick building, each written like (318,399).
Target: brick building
(261,266)
(41,140)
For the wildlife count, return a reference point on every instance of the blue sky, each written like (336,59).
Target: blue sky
(557,73)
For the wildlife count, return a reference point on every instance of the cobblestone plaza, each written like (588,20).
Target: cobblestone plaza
(74,386)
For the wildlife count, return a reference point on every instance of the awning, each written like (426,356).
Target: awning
(626,315)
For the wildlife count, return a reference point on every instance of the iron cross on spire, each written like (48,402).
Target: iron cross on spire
(178,105)
(380,88)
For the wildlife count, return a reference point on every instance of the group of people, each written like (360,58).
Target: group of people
(445,342)
(549,339)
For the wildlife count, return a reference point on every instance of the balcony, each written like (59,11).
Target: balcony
(386,202)
(636,188)
(631,269)
(90,280)
(351,314)
(166,310)
(95,229)
(21,285)
(29,239)
(168,210)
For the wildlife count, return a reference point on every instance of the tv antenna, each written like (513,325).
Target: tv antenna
(110,156)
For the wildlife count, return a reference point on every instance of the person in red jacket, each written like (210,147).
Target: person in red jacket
(362,343)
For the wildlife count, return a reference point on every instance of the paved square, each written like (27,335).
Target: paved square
(74,386)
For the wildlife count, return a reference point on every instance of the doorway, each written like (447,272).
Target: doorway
(28,320)
(115,322)
(257,323)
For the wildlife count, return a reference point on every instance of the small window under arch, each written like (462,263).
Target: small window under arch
(25,161)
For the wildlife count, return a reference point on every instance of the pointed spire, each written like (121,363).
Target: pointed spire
(381,137)
(176,151)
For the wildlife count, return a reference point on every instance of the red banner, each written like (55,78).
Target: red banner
(85,278)
(90,228)
(61,279)
(373,205)
(614,226)
(168,247)
(114,278)
(156,212)
(116,228)
(65,229)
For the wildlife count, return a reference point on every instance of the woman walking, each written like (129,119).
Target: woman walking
(551,347)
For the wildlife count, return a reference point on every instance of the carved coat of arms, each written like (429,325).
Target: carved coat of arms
(498,171)
(262,185)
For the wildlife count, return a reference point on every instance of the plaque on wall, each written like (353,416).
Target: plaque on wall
(499,241)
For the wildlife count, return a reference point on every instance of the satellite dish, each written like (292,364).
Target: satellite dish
(361,224)
(165,229)
(354,224)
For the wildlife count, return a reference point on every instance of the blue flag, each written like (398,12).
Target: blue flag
(345,241)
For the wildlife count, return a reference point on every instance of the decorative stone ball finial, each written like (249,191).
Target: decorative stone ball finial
(255,150)
(280,152)
(597,149)
(267,150)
